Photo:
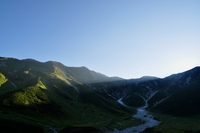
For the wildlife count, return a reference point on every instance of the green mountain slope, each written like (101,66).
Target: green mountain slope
(53,94)
(50,96)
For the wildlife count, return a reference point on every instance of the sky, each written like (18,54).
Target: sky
(124,38)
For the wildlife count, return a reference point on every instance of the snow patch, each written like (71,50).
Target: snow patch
(122,103)
(32,75)
(155,83)
(188,80)
(158,102)
(74,87)
(2,64)
(15,87)
(14,71)
(147,87)
(108,93)
(149,96)
(48,127)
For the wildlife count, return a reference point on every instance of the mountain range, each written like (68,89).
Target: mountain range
(49,96)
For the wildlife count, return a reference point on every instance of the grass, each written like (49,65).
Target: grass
(92,117)
(75,129)
(18,127)
(5,88)
(27,97)
(43,96)
(128,122)
(41,103)
(3,79)
(12,121)
(172,124)
(40,84)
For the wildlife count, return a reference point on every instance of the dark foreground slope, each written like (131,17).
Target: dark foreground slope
(9,126)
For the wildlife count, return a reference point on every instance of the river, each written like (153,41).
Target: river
(141,114)
(47,127)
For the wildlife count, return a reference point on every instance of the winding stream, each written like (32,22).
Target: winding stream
(141,114)
(47,127)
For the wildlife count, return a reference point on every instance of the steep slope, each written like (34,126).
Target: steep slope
(183,98)
(155,90)
(142,90)
(182,103)
(61,96)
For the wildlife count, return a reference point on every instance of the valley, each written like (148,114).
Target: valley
(51,97)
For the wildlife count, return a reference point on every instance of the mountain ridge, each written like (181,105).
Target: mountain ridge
(53,90)
(84,67)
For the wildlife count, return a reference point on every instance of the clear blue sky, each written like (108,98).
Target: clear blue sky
(125,38)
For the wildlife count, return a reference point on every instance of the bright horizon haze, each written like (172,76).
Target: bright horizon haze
(128,39)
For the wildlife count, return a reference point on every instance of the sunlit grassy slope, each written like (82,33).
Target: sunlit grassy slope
(52,94)
(2,79)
